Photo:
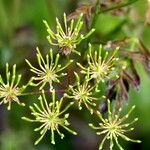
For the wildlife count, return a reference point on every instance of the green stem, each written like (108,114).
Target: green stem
(98,11)
(118,6)
(97,7)
(95,16)
(68,71)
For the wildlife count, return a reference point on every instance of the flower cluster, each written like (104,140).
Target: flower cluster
(82,93)
(100,65)
(10,91)
(49,69)
(101,68)
(69,38)
(114,127)
(49,115)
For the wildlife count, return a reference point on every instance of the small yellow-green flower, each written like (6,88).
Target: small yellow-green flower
(68,38)
(10,91)
(100,67)
(82,93)
(50,116)
(114,127)
(49,69)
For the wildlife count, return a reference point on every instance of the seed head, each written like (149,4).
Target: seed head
(50,116)
(49,69)
(114,127)
(101,68)
(69,38)
(82,93)
(10,91)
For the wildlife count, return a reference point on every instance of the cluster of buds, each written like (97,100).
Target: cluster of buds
(9,90)
(82,93)
(49,69)
(50,116)
(114,127)
(69,38)
(100,68)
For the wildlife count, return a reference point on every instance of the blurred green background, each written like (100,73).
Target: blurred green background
(21,30)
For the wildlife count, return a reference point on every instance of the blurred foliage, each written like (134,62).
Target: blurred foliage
(21,30)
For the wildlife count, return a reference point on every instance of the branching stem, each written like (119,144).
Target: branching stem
(40,92)
(98,11)
(118,6)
